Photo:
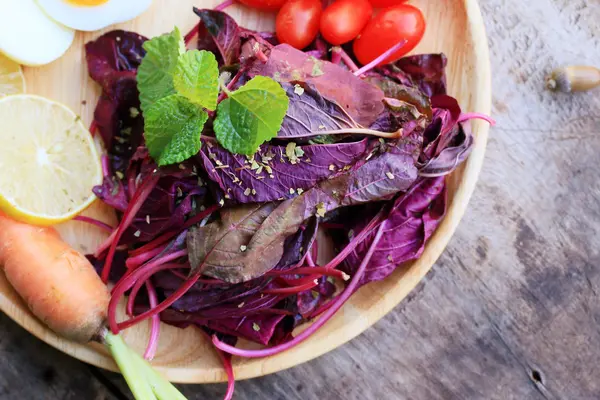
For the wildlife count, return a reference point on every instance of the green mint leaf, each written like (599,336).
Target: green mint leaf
(197,78)
(251,115)
(173,128)
(155,73)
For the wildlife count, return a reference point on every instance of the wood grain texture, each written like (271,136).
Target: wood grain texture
(511,310)
(183,355)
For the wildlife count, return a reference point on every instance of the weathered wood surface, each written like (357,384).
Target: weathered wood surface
(511,310)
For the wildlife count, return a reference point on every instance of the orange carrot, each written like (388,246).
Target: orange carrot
(59,285)
(62,289)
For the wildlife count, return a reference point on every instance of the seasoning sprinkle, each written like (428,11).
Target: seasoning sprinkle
(254,191)
(137,234)
(134,112)
(148,219)
(345,276)
(256,327)
(299,90)
(389,175)
(292,191)
(241,304)
(332,167)
(321,210)
(247,192)
(243,248)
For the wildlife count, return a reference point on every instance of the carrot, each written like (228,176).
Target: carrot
(58,284)
(63,290)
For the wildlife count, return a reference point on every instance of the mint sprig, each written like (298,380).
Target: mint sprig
(251,115)
(176,86)
(175,124)
(155,73)
(196,77)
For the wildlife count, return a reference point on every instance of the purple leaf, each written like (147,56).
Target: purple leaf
(309,113)
(425,71)
(412,220)
(273,175)
(249,239)
(361,100)
(219,34)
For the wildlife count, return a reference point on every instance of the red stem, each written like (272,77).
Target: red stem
(191,34)
(162,306)
(92,221)
(346,59)
(293,289)
(342,298)
(93,128)
(165,237)
(224,5)
(155,325)
(134,206)
(136,261)
(322,271)
(130,279)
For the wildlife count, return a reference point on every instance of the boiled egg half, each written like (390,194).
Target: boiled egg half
(28,36)
(92,15)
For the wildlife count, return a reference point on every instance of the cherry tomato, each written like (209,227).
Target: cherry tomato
(297,23)
(343,20)
(388,28)
(386,3)
(264,4)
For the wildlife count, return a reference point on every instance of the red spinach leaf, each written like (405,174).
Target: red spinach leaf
(361,100)
(276,172)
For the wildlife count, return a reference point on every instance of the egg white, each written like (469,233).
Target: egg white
(93,18)
(28,36)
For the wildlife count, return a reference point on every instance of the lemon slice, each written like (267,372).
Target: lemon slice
(48,161)
(12,80)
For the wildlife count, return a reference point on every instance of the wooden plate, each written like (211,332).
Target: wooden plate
(454,27)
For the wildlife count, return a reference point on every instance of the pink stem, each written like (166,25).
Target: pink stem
(136,261)
(155,326)
(381,58)
(170,235)
(162,306)
(346,59)
(92,221)
(105,165)
(293,289)
(308,271)
(134,206)
(191,34)
(130,279)
(226,361)
(93,127)
(300,282)
(309,259)
(352,245)
(341,300)
(261,56)
(473,115)
(224,5)
(336,57)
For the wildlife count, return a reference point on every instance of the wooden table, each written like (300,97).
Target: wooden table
(510,311)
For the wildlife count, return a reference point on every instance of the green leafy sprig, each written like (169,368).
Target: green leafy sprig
(177,87)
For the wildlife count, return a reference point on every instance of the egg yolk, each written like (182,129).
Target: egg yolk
(87,3)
